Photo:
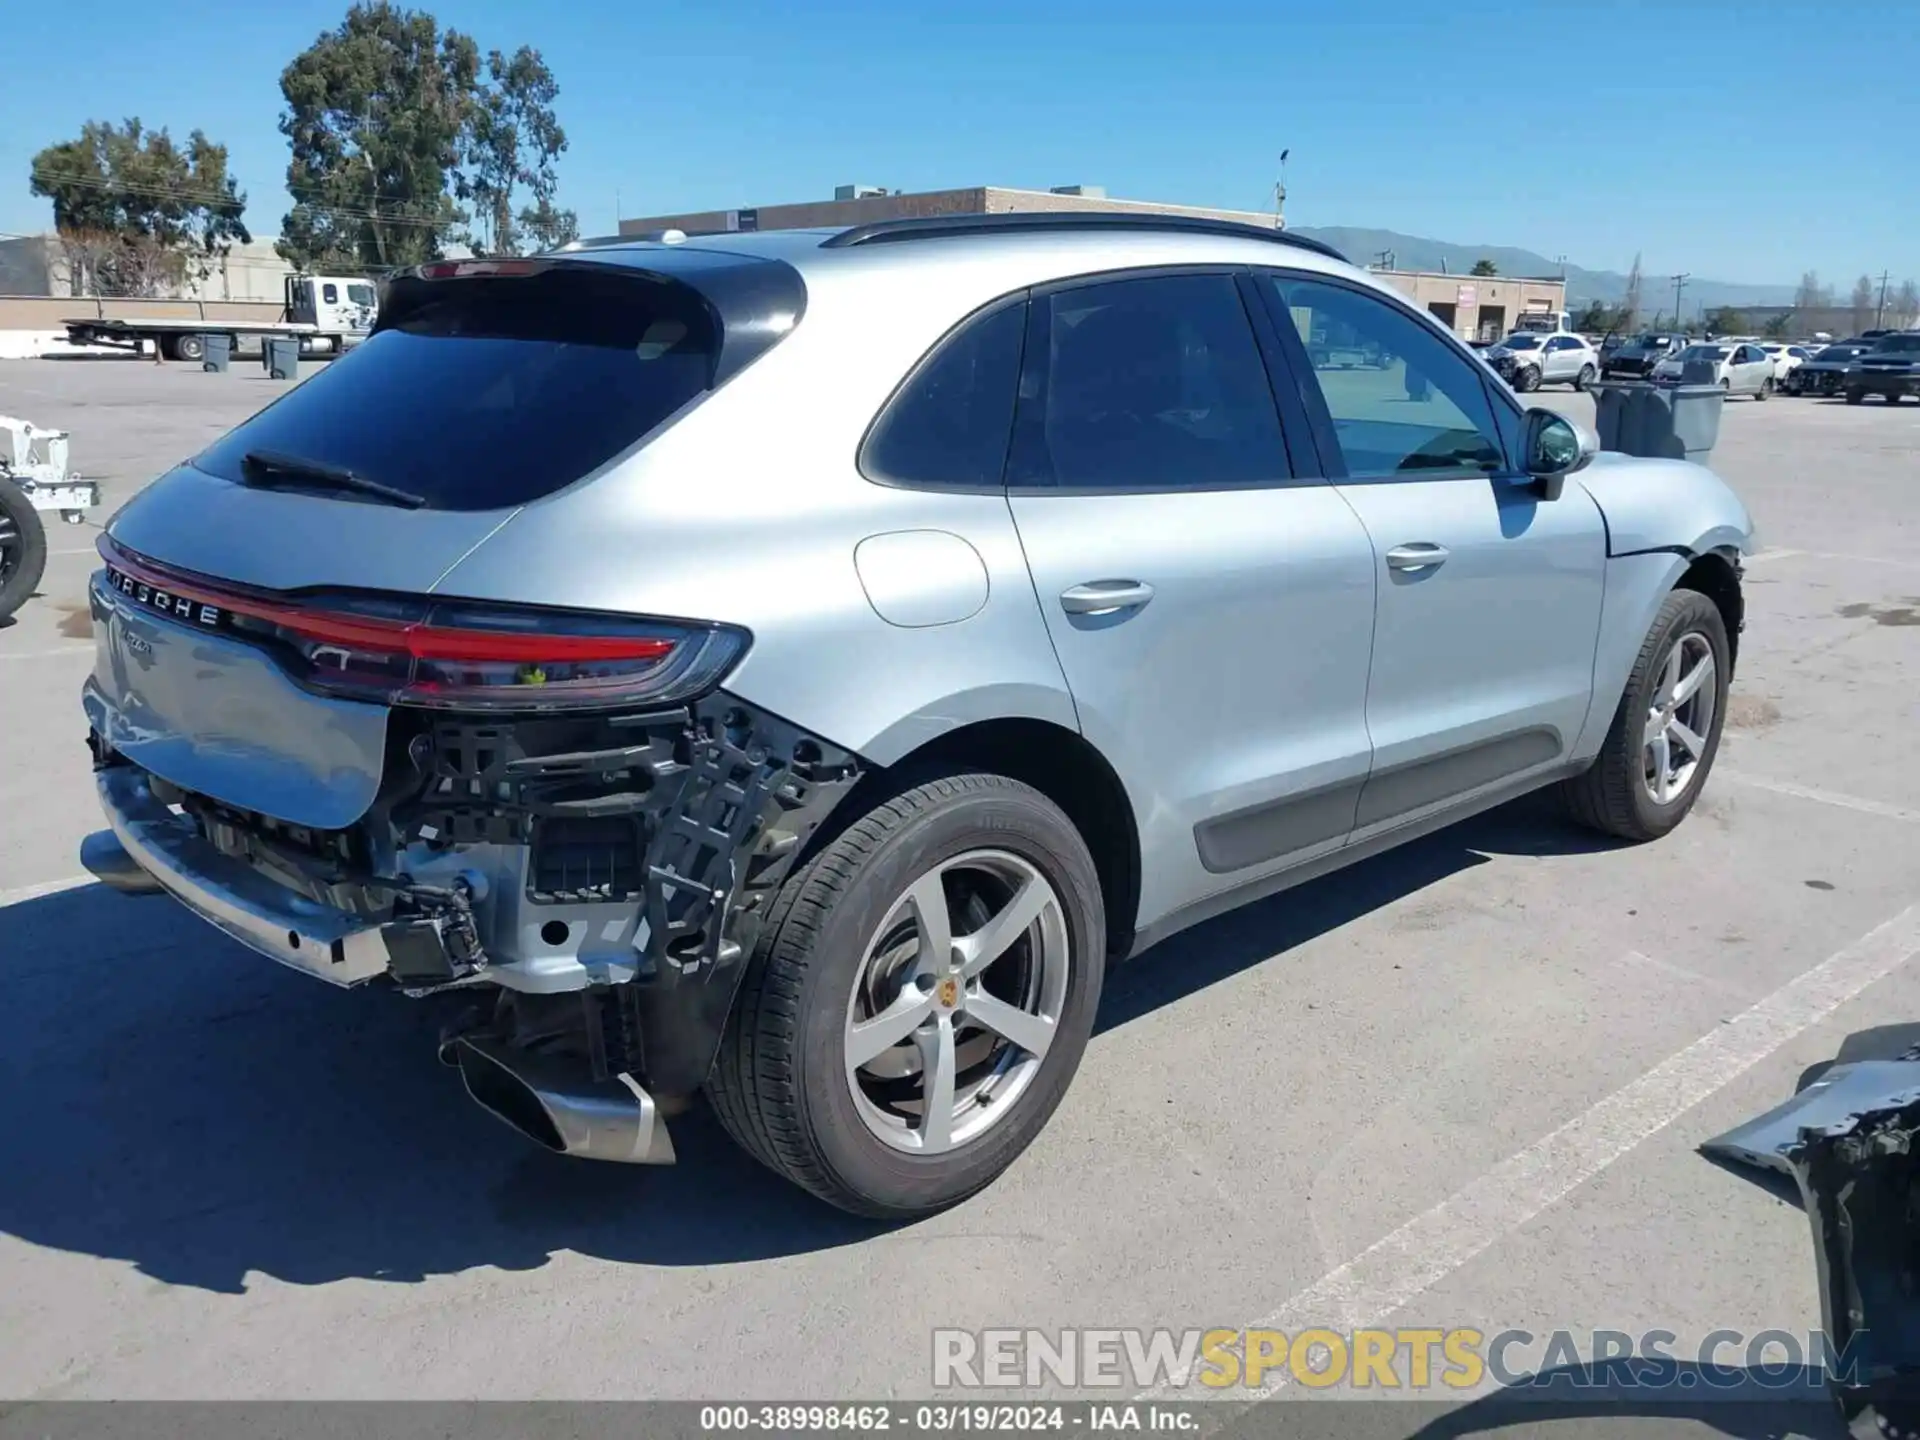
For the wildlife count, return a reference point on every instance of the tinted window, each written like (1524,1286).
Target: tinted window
(500,392)
(1422,412)
(1900,344)
(1521,342)
(330,294)
(360,294)
(1150,382)
(948,425)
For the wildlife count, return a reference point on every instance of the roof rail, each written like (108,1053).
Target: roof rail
(882,232)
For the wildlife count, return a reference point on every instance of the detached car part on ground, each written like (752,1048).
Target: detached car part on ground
(1850,1140)
(34,481)
(793,666)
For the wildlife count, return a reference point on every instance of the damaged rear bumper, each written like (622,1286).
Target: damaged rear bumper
(227,893)
(473,856)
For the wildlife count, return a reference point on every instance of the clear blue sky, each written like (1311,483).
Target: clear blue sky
(1719,138)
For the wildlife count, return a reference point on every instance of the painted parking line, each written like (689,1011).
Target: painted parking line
(1400,1267)
(48,887)
(1823,797)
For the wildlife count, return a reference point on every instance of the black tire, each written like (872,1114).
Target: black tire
(1611,794)
(23,547)
(1526,379)
(191,348)
(1584,378)
(1855,395)
(779,1086)
(1765,391)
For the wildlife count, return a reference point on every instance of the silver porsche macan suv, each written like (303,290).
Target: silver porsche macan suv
(793,666)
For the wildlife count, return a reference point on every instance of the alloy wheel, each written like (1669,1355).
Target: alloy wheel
(1680,720)
(958,997)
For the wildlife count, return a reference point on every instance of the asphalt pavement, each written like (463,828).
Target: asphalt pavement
(1458,1085)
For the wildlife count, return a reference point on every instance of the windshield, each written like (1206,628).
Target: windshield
(360,294)
(1522,342)
(1702,352)
(1900,344)
(1652,342)
(1841,352)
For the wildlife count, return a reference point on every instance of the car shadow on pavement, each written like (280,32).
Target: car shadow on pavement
(172,1101)
(1220,949)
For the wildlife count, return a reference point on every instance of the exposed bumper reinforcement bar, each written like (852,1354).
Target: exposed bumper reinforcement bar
(227,893)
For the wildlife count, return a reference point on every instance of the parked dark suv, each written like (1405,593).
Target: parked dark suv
(1635,359)
(1827,371)
(1891,369)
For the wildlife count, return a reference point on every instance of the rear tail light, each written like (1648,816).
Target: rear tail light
(449,654)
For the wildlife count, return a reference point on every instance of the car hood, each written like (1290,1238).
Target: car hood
(1666,505)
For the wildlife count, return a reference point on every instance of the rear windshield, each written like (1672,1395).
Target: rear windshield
(501,392)
(1900,344)
(1522,342)
(1703,352)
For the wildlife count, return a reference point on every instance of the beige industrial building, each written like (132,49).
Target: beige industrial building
(1472,306)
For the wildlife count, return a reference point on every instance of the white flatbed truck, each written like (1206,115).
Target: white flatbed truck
(327,313)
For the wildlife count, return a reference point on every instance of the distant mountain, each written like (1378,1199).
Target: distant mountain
(1414,252)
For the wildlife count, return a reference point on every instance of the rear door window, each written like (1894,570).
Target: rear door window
(949,422)
(502,391)
(1148,383)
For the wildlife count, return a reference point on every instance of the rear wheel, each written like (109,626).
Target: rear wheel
(189,347)
(920,999)
(1765,390)
(1584,378)
(1855,395)
(1667,730)
(23,547)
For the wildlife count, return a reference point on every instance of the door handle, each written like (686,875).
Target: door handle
(1104,597)
(1419,556)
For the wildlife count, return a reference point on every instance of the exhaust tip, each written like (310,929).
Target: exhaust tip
(558,1105)
(106,859)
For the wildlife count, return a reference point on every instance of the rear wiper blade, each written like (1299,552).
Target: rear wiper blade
(260,466)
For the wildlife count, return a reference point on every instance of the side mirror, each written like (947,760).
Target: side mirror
(1554,447)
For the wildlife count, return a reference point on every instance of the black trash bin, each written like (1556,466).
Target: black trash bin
(216,351)
(282,356)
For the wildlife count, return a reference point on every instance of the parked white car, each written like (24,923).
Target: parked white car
(1740,369)
(1786,358)
(1526,361)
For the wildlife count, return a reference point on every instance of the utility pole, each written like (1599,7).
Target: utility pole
(1280,192)
(1880,314)
(1679,284)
